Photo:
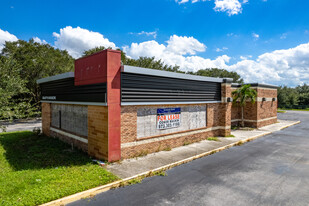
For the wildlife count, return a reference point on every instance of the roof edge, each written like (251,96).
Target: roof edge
(270,86)
(55,77)
(154,72)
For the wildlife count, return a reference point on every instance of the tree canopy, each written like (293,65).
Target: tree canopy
(25,62)
(152,63)
(215,72)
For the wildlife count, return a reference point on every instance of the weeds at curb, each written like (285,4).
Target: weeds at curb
(186,143)
(159,173)
(167,149)
(213,139)
(230,135)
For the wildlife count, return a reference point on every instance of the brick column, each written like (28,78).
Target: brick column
(46,118)
(226,106)
(113,102)
(103,121)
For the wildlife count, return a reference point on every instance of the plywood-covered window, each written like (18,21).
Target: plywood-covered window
(70,118)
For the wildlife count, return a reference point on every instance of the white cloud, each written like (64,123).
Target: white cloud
(283,36)
(245,57)
(38,40)
(232,7)
(6,36)
(184,45)
(255,36)
(175,51)
(152,33)
(77,40)
(176,47)
(182,1)
(232,35)
(287,66)
(148,48)
(221,50)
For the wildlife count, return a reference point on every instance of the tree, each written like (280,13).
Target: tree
(12,90)
(215,72)
(36,61)
(287,97)
(146,62)
(150,62)
(241,95)
(303,92)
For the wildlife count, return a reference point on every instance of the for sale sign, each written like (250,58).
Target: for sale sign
(168,118)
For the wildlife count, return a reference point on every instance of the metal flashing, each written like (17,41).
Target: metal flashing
(154,72)
(166,103)
(79,103)
(56,77)
(256,85)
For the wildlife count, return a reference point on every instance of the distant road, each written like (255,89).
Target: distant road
(22,125)
(271,170)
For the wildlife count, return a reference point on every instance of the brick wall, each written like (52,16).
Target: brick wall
(259,114)
(218,117)
(46,118)
(138,150)
(98,132)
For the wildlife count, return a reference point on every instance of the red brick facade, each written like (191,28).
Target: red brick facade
(259,114)
(118,131)
(218,124)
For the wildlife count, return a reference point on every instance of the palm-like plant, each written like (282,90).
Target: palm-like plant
(241,96)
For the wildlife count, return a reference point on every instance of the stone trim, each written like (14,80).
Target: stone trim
(69,135)
(248,120)
(165,103)
(256,85)
(79,103)
(147,141)
(258,99)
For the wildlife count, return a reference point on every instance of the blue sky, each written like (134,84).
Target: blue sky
(265,41)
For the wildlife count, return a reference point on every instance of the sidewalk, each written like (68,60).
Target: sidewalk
(131,167)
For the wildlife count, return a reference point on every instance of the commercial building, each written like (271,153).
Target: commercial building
(115,112)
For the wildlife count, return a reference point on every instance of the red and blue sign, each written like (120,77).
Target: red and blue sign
(168,118)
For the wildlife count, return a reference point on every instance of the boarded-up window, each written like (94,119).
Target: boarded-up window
(70,118)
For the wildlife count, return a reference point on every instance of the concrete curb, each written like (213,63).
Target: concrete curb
(94,191)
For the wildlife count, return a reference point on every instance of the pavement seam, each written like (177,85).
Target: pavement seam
(94,191)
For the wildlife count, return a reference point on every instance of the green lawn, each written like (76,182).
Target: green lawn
(295,109)
(281,111)
(37,169)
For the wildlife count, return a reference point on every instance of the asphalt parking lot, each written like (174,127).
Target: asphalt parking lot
(271,170)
